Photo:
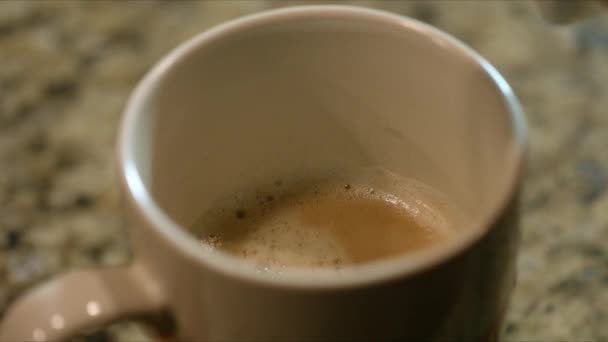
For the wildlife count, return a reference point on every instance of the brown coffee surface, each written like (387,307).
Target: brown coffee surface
(329,223)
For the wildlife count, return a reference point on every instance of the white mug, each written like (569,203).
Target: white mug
(290,93)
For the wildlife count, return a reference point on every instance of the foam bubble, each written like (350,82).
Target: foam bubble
(356,217)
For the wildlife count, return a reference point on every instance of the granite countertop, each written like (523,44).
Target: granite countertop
(66,69)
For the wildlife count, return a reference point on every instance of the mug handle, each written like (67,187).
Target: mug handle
(81,300)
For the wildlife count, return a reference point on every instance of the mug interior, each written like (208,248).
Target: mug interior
(297,93)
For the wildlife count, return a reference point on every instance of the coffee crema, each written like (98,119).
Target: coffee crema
(340,221)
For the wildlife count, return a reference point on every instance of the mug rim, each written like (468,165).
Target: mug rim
(356,275)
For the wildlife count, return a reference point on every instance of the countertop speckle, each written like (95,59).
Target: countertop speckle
(67,67)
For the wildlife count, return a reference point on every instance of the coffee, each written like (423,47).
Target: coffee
(333,222)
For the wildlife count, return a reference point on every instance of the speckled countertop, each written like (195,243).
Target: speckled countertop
(66,69)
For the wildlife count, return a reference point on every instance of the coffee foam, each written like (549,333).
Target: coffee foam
(347,219)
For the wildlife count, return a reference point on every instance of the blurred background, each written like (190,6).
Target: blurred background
(67,68)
